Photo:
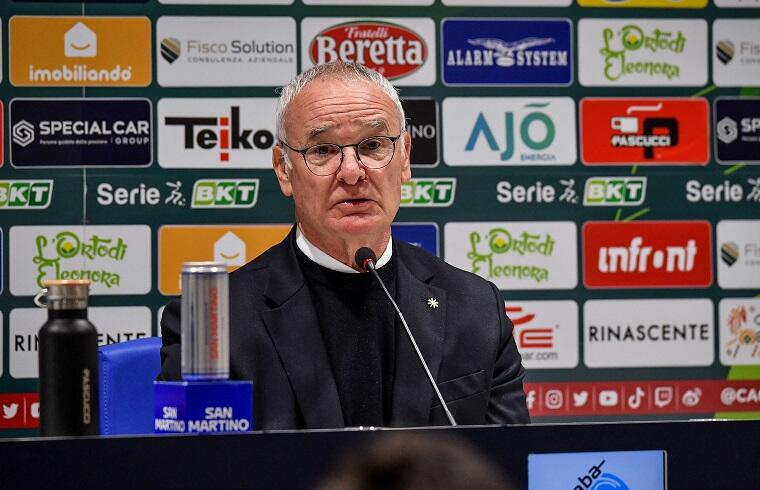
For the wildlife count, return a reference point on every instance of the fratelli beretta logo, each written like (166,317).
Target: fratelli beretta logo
(116,259)
(509,131)
(81,132)
(507,52)
(79,51)
(516,255)
(403,50)
(642,52)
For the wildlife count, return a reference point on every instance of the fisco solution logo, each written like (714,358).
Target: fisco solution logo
(79,51)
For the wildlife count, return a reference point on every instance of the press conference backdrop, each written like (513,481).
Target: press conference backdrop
(597,161)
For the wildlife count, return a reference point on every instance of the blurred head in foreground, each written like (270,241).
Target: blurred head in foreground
(415,461)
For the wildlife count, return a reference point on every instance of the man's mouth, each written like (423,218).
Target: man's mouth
(354,202)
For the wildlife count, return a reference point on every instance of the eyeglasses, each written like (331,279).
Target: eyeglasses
(326,158)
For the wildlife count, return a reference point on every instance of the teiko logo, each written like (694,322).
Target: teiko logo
(222,132)
(23,133)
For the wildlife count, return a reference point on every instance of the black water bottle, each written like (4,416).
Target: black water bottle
(68,363)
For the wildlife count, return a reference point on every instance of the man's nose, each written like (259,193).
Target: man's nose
(351,170)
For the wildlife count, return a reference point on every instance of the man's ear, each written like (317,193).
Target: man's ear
(406,169)
(281,169)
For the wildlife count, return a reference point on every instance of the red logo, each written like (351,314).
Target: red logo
(647,254)
(529,337)
(391,49)
(645,131)
(19,410)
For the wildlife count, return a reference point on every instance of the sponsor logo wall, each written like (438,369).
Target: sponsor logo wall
(596,160)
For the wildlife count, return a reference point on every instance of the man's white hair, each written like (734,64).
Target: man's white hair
(339,70)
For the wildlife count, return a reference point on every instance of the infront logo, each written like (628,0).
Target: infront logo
(647,254)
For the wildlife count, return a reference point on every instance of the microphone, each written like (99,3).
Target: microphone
(365,259)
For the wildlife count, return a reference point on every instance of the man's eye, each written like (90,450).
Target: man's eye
(371,145)
(323,150)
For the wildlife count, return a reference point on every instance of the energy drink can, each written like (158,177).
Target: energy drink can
(205,321)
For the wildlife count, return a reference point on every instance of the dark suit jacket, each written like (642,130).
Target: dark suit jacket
(275,341)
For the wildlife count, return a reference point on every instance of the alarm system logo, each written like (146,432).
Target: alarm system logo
(506,52)
(647,254)
(234,245)
(216,133)
(737,130)
(736,53)
(645,131)
(80,51)
(225,51)
(509,131)
(402,49)
(422,235)
(642,52)
(81,132)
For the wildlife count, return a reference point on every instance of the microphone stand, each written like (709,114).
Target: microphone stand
(370,264)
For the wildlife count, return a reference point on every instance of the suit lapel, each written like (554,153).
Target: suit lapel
(293,326)
(412,393)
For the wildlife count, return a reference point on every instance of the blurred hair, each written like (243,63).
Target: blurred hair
(407,461)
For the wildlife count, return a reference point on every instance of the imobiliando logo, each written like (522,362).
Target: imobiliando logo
(80,51)
(515,255)
(642,52)
(647,254)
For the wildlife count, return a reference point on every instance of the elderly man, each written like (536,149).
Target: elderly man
(320,341)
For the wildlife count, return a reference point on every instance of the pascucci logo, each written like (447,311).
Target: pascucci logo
(25,194)
(506,54)
(428,192)
(23,133)
(538,144)
(650,133)
(223,133)
(391,49)
(632,38)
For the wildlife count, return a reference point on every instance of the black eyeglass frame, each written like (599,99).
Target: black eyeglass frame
(356,152)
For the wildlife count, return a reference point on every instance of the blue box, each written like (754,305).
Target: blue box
(203,406)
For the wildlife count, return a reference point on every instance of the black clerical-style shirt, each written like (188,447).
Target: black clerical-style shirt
(358,326)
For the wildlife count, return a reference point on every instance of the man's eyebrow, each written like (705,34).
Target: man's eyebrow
(377,124)
(314,133)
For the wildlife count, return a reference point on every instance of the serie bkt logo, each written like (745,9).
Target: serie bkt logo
(647,254)
(644,131)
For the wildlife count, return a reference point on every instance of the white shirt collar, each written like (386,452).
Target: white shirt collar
(315,254)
